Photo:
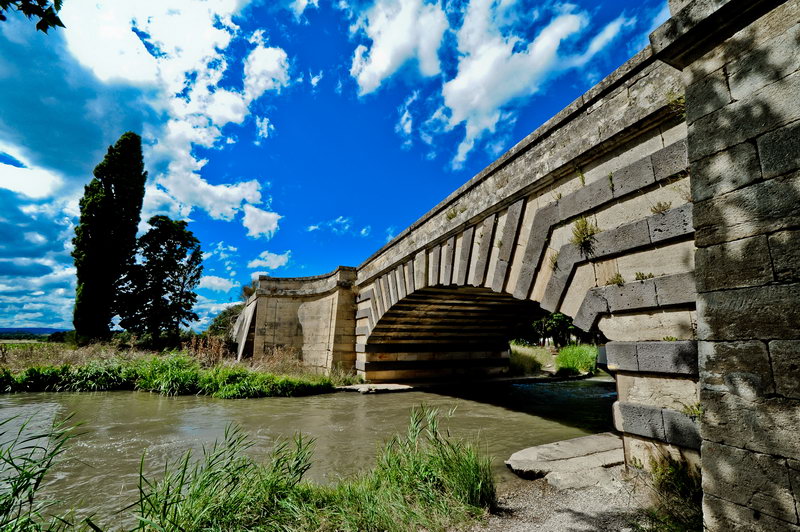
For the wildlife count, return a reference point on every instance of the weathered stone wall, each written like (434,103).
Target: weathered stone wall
(743,112)
(314,315)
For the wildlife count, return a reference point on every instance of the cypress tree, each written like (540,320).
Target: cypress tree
(105,238)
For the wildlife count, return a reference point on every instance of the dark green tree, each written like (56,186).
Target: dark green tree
(105,238)
(157,295)
(44,10)
(222,324)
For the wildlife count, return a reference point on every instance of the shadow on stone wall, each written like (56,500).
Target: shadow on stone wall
(744,140)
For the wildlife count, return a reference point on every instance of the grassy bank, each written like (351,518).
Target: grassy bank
(421,480)
(528,359)
(49,367)
(571,360)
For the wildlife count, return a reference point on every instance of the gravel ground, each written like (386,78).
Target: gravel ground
(535,505)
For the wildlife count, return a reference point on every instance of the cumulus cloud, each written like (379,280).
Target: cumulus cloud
(270,261)
(399,31)
(260,223)
(217,284)
(497,67)
(266,68)
(299,7)
(263,128)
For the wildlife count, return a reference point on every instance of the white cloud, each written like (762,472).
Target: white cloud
(406,122)
(339,226)
(312,228)
(270,261)
(260,223)
(263,127)
(391,231)
(299,6)
(497,67)
(265,69)
(365,231)
(182,75)
(400,30)
(256,275)
(217,284)
(315,79)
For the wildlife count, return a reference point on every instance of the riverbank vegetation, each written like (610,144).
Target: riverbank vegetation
(200,370)
(421,480)
(576,359)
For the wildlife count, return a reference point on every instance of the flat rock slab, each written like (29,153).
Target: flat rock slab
(575,463)
(377,388)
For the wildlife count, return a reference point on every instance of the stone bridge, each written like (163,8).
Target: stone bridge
(661,209)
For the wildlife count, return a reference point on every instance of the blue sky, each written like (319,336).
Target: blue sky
(295,135)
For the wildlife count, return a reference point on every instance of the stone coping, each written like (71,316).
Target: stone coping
(581,104)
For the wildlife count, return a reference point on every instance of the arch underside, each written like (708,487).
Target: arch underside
(439,332)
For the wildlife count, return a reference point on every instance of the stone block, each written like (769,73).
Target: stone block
(645,421)
(584,199)
(779,150)
(582,281)
(622,356)
(648,325)
(680,429)
(679,358)
(670,160)
(785,252)
(658,391)
(725,171)
(758,481)
(624,238)
(420,270)
(768,425)
(632,177)
(706,95)
(736,264)
(592,306)
(674,223)
(739,368)
(635,295)
(766,63)
(746,119)
(749,313)
(760,208)
(719,514)
(785,357)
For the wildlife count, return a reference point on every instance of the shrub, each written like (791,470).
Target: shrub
(43,379)
(583,235)
(170,375)
(576,359)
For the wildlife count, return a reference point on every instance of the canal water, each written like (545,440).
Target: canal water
(100,470)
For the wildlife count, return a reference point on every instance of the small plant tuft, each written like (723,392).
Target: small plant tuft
(557,196)
(554,260)
(676,103)
(641,276)
(616,279)
(670,339)
(661,207)
(452,213)
(611,181)
(694,410)
(581,177)
(677,491)
(583,235)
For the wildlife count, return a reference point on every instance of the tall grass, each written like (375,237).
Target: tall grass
(422,480)
(677,493)
(171,374)
(528,359)
(26,455)
(576,359)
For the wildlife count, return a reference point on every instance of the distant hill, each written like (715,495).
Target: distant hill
(29,330)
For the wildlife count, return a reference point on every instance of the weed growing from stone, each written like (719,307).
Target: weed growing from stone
(611,181)
(616,279)
(661,207)
(554,261)
(641,276)
(677,104)
(677,492)
(670,339)
(583,235)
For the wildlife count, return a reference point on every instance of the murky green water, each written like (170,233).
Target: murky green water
(101,467)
